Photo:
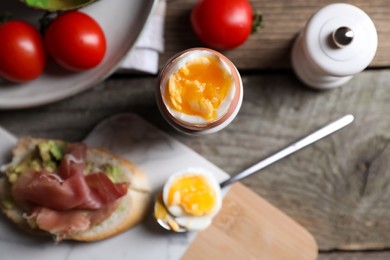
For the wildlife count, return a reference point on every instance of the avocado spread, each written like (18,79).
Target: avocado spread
(47,156)
(114,172)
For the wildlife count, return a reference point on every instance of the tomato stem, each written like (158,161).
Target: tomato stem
(5,16)
(257,22)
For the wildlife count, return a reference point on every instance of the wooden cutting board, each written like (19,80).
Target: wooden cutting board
(248,227)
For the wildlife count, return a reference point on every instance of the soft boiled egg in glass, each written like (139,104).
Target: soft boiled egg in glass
(192,197)
(200,91)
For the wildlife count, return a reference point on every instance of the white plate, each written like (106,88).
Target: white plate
(158,156)
(122,22)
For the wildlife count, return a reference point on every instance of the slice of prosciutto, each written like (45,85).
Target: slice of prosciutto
(63,224)
(60,200)
(69,188)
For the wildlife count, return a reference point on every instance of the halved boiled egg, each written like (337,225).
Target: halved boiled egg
(193,197)
(199,88)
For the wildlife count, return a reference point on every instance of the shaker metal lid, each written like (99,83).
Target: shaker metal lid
(340,39)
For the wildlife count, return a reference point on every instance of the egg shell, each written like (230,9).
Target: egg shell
(181,62)
(194,129)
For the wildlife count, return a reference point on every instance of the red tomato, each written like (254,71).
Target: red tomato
(22,55)
(222,24)
(75,41)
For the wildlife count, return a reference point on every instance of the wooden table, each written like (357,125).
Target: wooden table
(338,188)
(283,20)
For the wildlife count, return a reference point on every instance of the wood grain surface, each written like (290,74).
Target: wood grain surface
(283,20)
(338,188)
(248,227)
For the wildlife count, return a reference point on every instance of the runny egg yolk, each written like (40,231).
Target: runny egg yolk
(194,194)
(199,87)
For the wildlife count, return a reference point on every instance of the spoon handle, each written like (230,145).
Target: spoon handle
(307,140)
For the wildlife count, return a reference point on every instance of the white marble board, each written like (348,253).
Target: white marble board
(157,155)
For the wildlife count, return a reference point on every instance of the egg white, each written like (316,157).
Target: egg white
(190,222)
(179,63)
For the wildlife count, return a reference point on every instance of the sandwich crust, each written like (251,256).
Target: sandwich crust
(130,211)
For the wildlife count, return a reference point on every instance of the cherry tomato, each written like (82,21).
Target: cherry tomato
(75,41)
(22,55)
(222,24)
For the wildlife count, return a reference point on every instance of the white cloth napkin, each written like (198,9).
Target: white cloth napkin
(144,56)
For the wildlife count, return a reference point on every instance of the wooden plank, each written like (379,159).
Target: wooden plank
(371,255)
(337,189)
(248,227)
(270,47)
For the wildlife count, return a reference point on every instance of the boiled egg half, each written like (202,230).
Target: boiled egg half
(199,88)
(193,198)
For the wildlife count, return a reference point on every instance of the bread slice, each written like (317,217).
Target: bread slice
(131,210)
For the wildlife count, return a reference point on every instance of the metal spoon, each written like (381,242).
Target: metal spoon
(169,222)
